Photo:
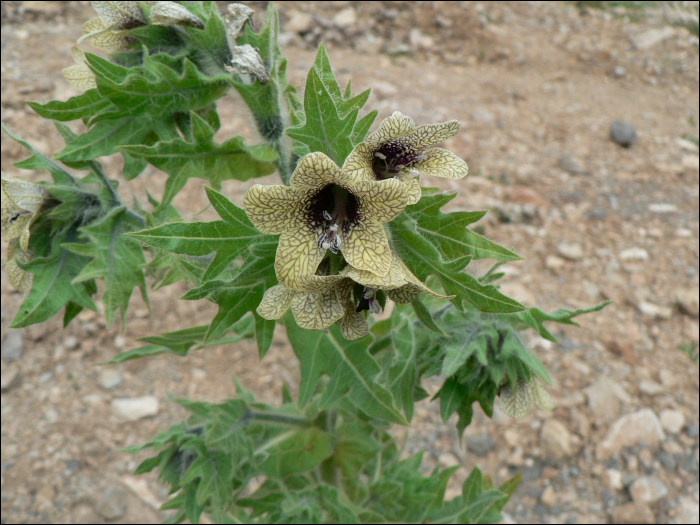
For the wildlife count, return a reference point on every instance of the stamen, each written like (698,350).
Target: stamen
(333,228)
(380,155)
(327,216)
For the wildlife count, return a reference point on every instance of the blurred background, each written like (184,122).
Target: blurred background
(580,128)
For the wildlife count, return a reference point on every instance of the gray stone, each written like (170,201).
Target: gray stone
(480,445)
(619,71)
(629,430)
(693,431)
(633,513)
(72,466)
(109,378)
(12,346)
(648,489)
(623,133)
(113,503)
(570,251)
(135,408)
(570,165)
(690,464)
(667,460)
(556,440)
(9,378)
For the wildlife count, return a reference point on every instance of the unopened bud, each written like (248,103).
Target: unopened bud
(247,61)
(170,13)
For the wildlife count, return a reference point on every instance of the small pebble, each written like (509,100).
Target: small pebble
(12,346)
(619,71)
(135,408)
(70,343)
(693,431)
(480,445)
(113,503)
(672,420)
(623,133)
(109,378)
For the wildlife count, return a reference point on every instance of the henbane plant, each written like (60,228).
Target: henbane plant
(349,233)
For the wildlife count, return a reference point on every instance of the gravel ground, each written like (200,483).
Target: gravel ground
(537,87)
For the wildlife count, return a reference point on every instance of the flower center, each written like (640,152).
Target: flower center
(369,302)
(333,209)
(393,157)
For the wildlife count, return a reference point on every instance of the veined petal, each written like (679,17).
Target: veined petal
(121,15)
(393,279)
(275,302)
(298,253)
(381,201)
(403,295)
(366,247)
(540,396)
(316,311)
(315,171)
(353,325)
(428,135)
(106,38)
(358,165)
(80,76)
(414,191)
(396,126)
(19,278)
(442,163)
(274,209)
(317,283)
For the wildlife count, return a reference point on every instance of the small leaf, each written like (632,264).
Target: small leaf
(228,238)
(53,286)
(204,158)
(117,260)
(351,369)
(86,105)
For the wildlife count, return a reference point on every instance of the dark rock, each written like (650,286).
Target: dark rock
(690,464)
(667,460)
(623,133)
(693,431)
(480,445)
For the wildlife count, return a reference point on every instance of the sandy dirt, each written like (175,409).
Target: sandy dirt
(536,86)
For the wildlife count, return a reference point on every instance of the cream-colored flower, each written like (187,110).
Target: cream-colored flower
(316,309)
(400,149)
(22,203)
(106,31)
(18,276)
(518,402)
(325,208)
(401,285)
(79,75)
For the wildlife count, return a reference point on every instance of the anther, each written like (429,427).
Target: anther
(380,155)
(327,216)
